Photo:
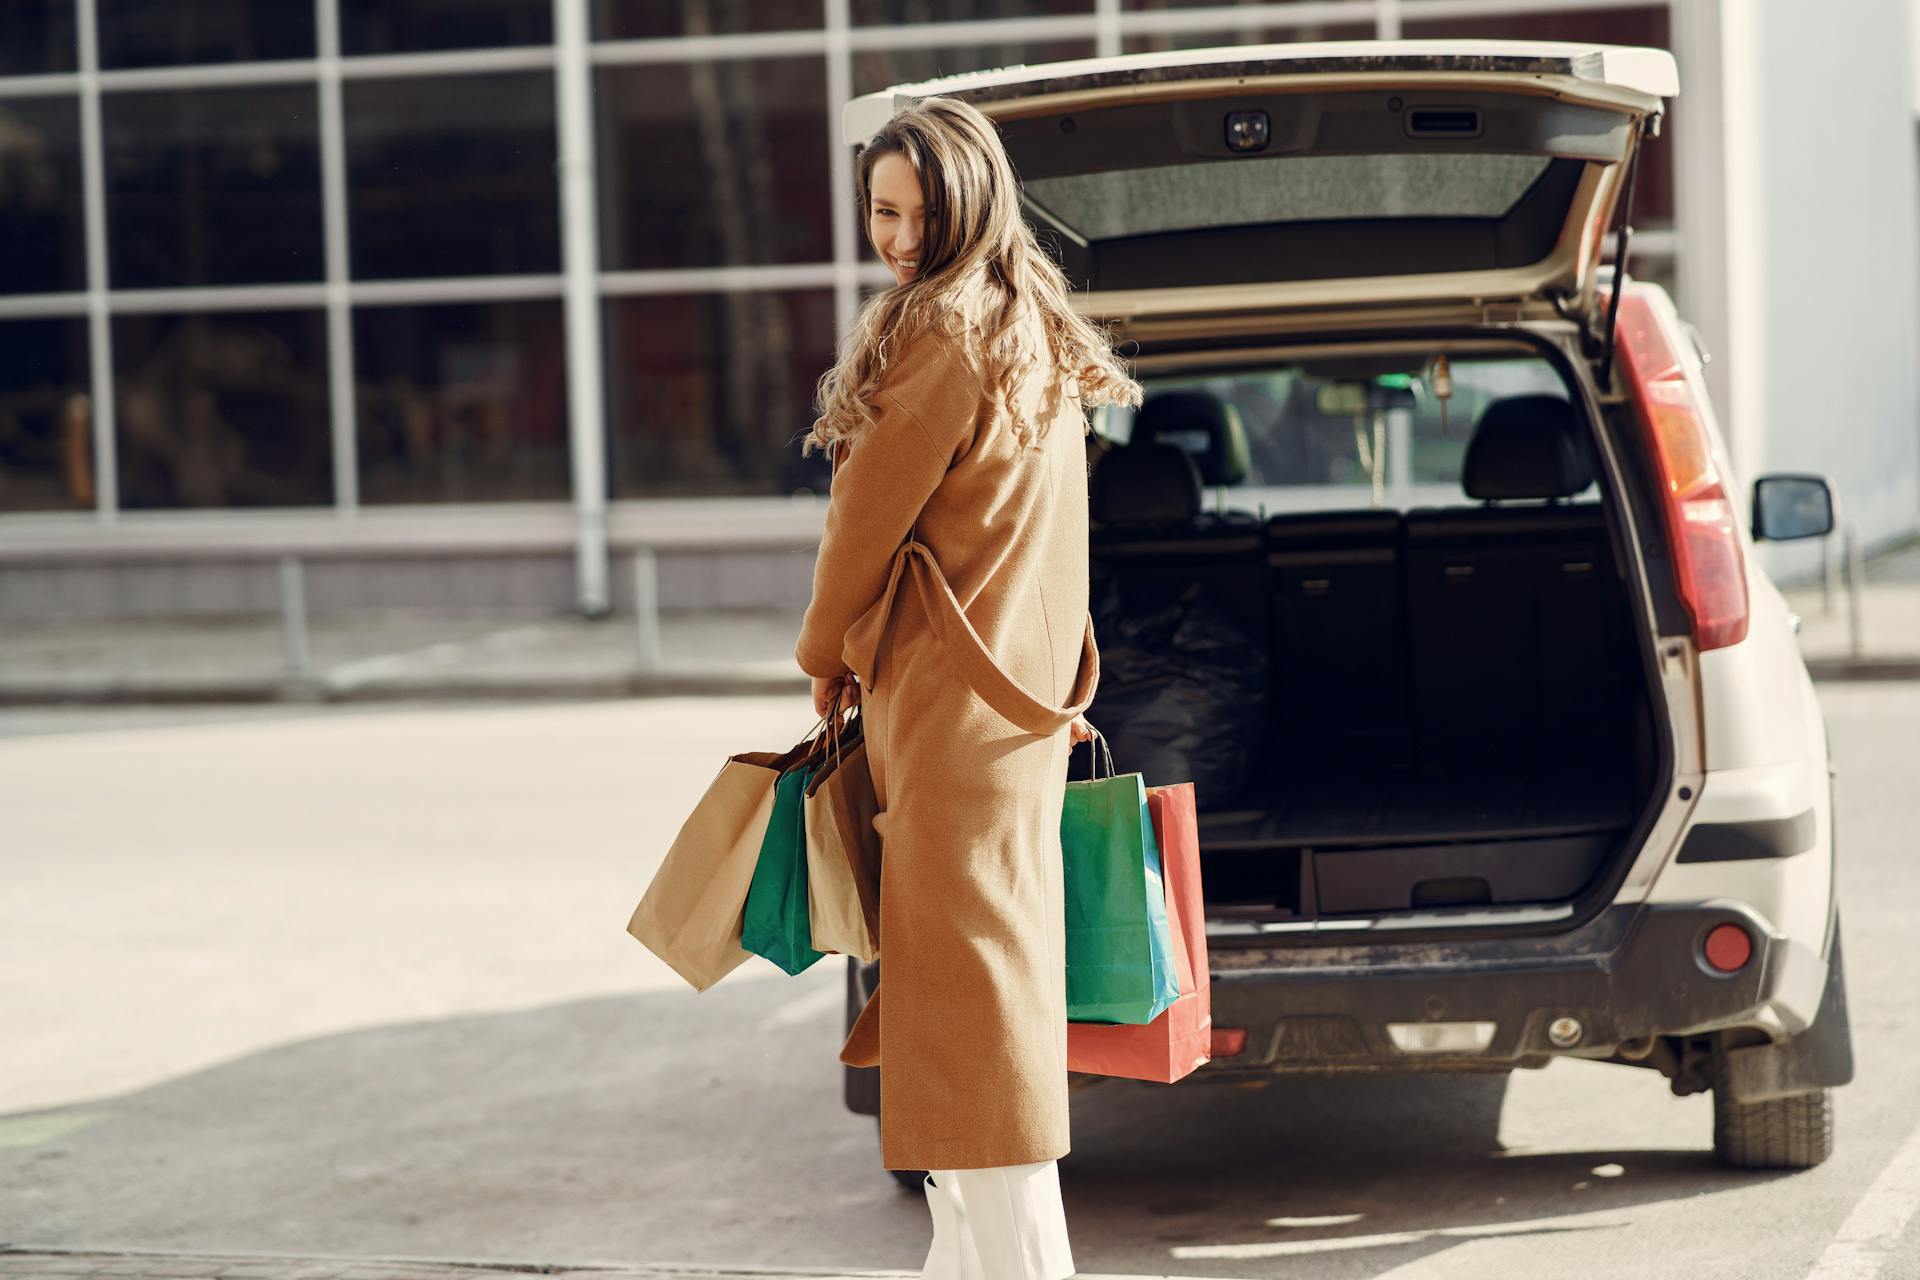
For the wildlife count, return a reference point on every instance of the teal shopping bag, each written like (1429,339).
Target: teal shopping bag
(776,924)
(1119,949)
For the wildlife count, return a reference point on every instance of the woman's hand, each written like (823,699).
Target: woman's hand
(1080,730)
(824,689)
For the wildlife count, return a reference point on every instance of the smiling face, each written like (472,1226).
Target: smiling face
(897,215)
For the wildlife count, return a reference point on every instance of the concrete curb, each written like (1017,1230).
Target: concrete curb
(1842,669)
(52,693)
(568,688)
(314,1266)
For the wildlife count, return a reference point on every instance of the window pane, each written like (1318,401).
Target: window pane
(1653,185)
(213,186)
(452,176)
(414,26)
(878,68)
(710,393)
(144,33)
(43,249)
(46,422)
(222,409)
(1319,440)
(1219,37)
(714,163)
(36,37)
(650,19)
(462,402)
(903,12)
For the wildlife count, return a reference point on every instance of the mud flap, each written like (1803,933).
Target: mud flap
(1818,1058)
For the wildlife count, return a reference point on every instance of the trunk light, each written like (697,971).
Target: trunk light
(1440,1037)
(1728,948)
(1229,1041)
(1709,567)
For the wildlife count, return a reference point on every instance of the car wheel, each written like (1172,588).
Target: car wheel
(1794,1132)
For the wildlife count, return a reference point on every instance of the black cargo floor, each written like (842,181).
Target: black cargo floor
(1305,804)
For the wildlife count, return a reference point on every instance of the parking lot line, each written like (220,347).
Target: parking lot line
(1868,1238)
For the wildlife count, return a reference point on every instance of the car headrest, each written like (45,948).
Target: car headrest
(1202,424)
(1145,484)
(1526,447)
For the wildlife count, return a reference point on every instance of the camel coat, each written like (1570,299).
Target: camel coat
(952,581)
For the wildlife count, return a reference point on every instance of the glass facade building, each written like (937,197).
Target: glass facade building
(347,257)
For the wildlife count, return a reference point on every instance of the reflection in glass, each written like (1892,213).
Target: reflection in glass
(1226,37)
(420,26)
(709,394)
(651,19)
(878,68)
(905,12)
(46,417)
(222,409)
(43,248)
(713,163)
(1653,185)
(213,186)
(461,402)
(452,176)
(37,37)
(148,33)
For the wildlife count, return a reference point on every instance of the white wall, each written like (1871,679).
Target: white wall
(1822,253)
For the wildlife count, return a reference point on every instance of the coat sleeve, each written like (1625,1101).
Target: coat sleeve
(921,428)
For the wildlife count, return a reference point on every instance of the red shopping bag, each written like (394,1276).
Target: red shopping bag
(1177,1042)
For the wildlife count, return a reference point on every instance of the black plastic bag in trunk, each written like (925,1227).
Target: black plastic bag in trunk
(1183,685)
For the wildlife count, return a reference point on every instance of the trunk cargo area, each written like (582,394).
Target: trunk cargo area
(1381,710)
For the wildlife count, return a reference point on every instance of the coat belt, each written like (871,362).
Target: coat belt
(968,654)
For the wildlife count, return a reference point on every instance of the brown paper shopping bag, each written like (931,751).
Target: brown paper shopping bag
(691,913)
(843,851)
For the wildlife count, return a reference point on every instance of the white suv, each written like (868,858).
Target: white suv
(1503,746)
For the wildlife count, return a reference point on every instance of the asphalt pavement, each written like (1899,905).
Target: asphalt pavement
(294,990)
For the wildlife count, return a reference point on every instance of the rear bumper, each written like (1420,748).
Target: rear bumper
(1632,973)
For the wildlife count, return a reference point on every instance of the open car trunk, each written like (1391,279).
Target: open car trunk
(1382,710)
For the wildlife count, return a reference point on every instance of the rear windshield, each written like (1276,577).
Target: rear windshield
(1278,189)
(1326,438)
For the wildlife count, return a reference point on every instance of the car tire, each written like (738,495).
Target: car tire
(1794,1132)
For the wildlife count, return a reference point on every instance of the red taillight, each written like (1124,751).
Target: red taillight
(1708,567)
(1229,1041)
(1728,948)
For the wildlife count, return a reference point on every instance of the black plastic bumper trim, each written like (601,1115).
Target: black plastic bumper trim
(1741,841)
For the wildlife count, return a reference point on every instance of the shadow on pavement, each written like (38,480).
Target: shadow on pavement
(673,1127)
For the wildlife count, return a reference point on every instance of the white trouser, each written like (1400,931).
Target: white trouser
(1002,1223)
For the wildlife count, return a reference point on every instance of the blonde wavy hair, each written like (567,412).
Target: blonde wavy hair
(982,276)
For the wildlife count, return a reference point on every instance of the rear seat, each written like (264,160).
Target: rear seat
(1339,634)
(1209,430)
(1147,522)
(1517,616)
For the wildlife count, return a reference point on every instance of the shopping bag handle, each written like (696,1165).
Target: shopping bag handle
(1104,750)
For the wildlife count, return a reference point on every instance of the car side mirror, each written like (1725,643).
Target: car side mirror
(1791,506)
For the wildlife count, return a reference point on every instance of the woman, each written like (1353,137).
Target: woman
(950,600)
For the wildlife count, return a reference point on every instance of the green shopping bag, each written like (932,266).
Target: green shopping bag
(1120,965)
(776,924)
